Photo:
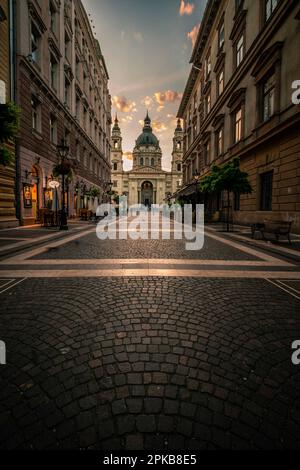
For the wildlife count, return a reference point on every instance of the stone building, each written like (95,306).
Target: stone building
(238,103)
(147,183)
(63,94)
(7,173)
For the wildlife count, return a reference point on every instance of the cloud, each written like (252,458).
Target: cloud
(123,104)
(127,119)
(147,102)
(138,37)
(186,8)
(127,156)
(159,126)
(192,35)
(162,97)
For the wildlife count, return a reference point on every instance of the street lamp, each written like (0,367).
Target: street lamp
(110,185)
(63,152)
(196,176)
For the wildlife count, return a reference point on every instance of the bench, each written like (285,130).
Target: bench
(279,228)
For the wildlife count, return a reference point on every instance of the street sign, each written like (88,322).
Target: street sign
(54,184)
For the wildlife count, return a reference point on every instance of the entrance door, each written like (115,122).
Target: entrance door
(147,194)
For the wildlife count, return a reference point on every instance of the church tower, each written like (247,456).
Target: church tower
(116,148)
(177,154)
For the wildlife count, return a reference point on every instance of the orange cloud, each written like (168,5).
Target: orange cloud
(167,96)
(127,156)
(159,126)
(186,8)
(192,35)
(123,104)
(147,102)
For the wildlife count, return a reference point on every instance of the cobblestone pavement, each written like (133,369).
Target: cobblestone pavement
(156,363)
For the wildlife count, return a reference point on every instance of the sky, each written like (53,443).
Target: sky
(147,46)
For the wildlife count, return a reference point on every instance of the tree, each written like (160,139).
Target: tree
(229,178)
(9,126)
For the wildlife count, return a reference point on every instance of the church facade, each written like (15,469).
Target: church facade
(146,183)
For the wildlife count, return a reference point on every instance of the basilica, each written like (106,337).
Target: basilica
(146,183)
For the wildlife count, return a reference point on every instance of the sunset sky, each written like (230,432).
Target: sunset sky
(147,45)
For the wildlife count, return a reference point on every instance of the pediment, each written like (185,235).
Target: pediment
(146,170)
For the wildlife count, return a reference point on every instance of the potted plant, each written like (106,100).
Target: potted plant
(9,126)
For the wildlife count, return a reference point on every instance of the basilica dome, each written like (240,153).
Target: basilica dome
(147,137)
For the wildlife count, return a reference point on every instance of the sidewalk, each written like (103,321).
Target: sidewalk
(243,233)
(19,238)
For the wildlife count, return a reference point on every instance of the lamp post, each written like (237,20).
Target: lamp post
(196,176)
(63,152)
(110,185)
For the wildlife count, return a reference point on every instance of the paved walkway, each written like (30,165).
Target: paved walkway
(120,345)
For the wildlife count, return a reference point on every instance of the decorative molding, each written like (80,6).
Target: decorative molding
(36,17)
(239,24)
(237,98)
(267,60)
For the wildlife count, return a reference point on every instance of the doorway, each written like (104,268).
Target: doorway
(147,194)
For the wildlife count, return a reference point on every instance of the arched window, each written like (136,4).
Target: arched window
(115,166)
(178,145)
(152,162)
(142,162)
(116,144)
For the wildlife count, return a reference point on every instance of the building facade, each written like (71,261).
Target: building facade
(238,103)
(147,183)
(63,94)
(7,173)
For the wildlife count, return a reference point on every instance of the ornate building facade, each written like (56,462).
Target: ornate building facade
(147,183)
(7,173)
(62,89)
(238,103)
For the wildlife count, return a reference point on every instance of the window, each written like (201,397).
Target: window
(268,90)
(78,150)
(67,92)
(207,69)
(238,126)
(115,184)
(152,162)
(53,72)
(142,162)
(115,166)
(36,114)
(271,6)
(220,83)
(178,145)
(207,103)
(221,41)
(67,137)
(220,142)
(266,189)
(238,5)
(207,153)
(67,47)
(239,52)
(53,129)
(178,166)
(52,14)
(116,144)
(78,107)
(35,43)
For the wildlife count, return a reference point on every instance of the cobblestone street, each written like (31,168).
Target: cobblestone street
(153,347)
